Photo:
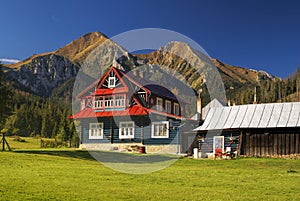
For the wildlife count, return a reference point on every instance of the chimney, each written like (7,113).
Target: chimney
(254,98)
(199,104)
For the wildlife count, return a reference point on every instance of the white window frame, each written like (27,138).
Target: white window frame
(168,108)
(95,133)
(126,129)
(108,103)
(155,125)
(119,100)
(159,107)
(98,102)
(114,82)
(176,112)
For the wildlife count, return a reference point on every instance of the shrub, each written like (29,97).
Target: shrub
(18,139)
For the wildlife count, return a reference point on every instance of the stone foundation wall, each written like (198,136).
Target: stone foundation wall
(126,147)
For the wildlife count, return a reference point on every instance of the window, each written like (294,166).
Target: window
(96,131)
(168,106)
(159,104)
(108,101)
(119,101)
(126,130)
(160,129)
(98,102)
(176,109)
(111,82)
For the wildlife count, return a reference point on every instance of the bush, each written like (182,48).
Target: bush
(18,139)
(52,143)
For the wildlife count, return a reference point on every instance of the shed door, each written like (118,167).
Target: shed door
(218,144)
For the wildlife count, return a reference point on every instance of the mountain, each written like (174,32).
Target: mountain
(79,49)
(76,51)
(183,59)
(50,74)
(42,74)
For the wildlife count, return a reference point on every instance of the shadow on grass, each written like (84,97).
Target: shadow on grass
(103,156)
(117,157)
(78,154)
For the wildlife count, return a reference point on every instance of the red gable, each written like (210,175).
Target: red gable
(114,84)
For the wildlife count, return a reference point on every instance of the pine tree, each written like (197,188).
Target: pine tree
(5,100)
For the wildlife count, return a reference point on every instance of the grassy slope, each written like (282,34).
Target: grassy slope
(30,143)
(74,175)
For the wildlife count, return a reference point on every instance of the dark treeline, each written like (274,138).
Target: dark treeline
(268,91)
(40,117)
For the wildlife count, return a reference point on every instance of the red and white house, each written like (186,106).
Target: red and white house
(124,109)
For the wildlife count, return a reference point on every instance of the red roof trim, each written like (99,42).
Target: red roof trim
(90,113)
(107,73)
(110,91)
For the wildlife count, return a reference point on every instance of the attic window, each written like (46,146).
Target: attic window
(159,104)
(176,109)
(111,82)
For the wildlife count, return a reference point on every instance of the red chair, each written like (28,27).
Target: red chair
(218,152)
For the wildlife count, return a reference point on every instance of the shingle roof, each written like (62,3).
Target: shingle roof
(270,115)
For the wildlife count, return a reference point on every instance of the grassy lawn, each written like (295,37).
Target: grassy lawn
(74,175)
(29,142)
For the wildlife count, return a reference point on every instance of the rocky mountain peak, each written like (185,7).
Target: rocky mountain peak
(78,50)
(43,74)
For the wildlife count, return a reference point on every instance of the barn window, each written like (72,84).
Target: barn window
(160,129)
(168,106)
(96,131)
(126,130)
(111,82)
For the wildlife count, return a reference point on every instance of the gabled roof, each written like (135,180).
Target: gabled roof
(143,83)
(149,86)
(270,115)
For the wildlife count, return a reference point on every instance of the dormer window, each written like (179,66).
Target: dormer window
(168,106)
(111,82)
(176,109)
(159,104)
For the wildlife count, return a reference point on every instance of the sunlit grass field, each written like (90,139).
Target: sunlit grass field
(69,174)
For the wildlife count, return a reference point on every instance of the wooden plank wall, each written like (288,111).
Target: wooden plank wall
(266,144)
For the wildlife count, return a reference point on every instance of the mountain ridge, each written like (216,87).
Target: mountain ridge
(78,50)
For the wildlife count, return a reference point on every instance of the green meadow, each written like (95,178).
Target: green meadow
(70,174)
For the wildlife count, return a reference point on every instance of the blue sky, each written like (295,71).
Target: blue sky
(254,34)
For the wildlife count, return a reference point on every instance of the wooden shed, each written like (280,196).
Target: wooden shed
(271,129)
